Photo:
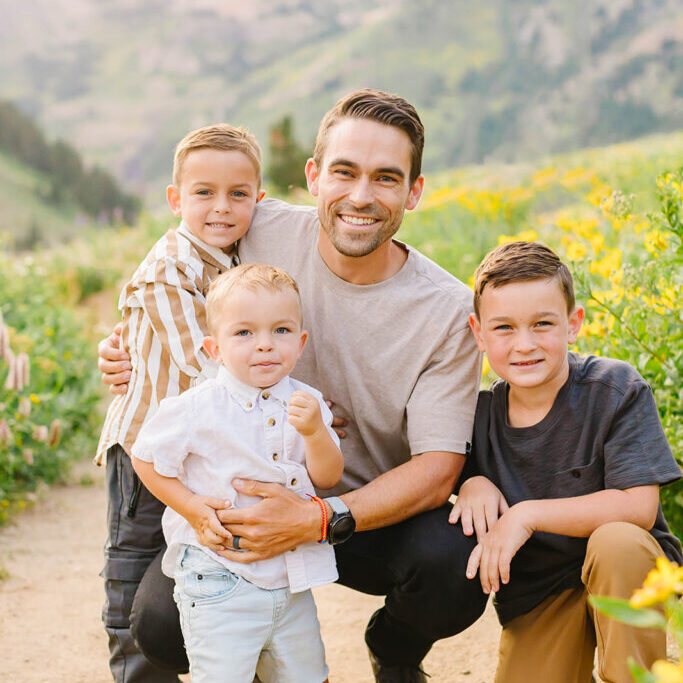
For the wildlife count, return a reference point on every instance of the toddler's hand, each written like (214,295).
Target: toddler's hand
(201,514)
(479,504)
(304,413)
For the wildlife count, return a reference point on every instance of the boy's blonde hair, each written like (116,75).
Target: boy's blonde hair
(518,262)
(220,136)
(252,276)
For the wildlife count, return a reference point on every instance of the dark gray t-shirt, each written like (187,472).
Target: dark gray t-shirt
(602,432)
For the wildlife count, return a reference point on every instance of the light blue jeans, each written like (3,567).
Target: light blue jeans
(234,629)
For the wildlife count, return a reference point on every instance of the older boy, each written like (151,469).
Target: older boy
(576,447)
(216,185)
(251,421)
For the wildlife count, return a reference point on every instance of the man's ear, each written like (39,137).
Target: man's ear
(575,321)
(211,347)
(475,326)
(173,199)
(415,193)
(311,171)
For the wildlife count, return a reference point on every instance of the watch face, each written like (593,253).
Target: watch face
(342,529)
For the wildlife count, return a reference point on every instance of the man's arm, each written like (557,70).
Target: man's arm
(283,520)
(579,516)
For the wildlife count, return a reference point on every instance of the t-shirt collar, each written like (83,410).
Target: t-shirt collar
(247,396)
(226,260)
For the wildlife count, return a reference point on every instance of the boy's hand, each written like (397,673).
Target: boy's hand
(200,512)
(478,505)
(493,554)
(113,363)
(304,413)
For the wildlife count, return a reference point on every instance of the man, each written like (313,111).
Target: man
(391,348)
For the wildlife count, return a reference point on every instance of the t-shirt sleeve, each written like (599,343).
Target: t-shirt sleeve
(164,438)
(440,411)
(636,450)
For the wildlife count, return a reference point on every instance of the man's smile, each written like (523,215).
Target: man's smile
(357,220)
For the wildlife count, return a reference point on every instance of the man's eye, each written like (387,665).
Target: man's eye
(344,172)
(282,330)
(387,179)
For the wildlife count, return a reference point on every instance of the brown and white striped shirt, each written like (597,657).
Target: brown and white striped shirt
(164,322)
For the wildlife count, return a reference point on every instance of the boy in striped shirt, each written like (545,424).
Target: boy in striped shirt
(216,186)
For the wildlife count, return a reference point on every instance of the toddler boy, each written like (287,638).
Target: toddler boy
(576,448)
(252,421)
(216,185)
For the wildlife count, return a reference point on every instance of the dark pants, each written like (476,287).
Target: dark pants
(418,564)
(134,541)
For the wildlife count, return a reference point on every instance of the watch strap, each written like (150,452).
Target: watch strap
(337,504)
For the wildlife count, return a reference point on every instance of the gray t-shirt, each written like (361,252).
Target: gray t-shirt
(396,357)
(602,432)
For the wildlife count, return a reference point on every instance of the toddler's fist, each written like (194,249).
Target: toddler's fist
(304,413)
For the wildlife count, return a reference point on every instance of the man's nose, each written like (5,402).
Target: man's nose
(361,192)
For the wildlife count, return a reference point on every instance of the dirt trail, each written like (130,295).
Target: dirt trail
(50,630)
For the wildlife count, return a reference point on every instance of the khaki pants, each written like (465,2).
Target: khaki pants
(555,642)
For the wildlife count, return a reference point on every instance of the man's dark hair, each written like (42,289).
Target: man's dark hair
(375,105)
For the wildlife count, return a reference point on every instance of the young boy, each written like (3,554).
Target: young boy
(252,421)
(576,448)
(216,185)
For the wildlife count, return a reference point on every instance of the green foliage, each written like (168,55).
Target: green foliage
(287,158)
(620,609)
(93,189)
(53,420)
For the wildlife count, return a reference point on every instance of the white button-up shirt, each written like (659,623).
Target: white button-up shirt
(223,429)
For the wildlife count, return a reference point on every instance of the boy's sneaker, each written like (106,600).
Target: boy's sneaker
(396,673)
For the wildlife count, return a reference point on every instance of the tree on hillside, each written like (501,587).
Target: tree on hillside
(287,157)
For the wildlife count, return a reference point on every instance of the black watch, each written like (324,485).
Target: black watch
(342,525)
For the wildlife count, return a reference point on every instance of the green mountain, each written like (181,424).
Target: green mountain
(505,79)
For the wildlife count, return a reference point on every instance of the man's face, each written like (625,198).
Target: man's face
(363,186)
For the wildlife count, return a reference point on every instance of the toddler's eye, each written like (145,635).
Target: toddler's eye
(204,193)
(241,333)
(282,330)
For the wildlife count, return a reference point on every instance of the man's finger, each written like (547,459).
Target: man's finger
(504,567)
(339,432)
(113,366)
(491,513)
(503,506)
(466,521)
(250,487)
(339,422)
(118,389)
(473,562)
(117,378)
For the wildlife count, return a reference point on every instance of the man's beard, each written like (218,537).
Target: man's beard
(360,242)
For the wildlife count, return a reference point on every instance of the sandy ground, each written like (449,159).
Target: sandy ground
(50,629)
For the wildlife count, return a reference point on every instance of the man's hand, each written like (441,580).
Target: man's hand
(494,552)
(304,413)
(478,505)
(113,363)
(201,514)
(276,524)
(337,422)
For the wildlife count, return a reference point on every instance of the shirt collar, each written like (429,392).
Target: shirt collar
(223,259)
(247,396)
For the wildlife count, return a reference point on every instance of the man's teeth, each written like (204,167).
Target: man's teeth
(527,362)
(355,220)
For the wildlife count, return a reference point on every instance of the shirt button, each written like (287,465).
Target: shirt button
(293,482)
(275,456)
(249,404)
(271,421)
(576,474)
(265,395)
(291,551)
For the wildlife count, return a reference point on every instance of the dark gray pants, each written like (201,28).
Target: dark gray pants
(135,539)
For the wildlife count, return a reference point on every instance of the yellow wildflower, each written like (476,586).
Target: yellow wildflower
(544,178)
(656,241)
(600,195)
(34,398)
(597,241)
(665,579)
(609,265)
(668,672)
(576,251)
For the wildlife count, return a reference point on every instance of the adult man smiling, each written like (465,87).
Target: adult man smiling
(390,346)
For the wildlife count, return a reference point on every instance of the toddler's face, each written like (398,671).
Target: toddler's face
(259,337)
(217,195)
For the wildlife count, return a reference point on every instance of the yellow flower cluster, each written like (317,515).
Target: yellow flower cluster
(668,672)
(523,236)
(665,580)
(656,241)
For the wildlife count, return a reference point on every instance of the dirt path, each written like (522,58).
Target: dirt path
(50,630)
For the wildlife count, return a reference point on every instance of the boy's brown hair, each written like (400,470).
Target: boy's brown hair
(375,105)
(518,262)
(220,136)
(252,276)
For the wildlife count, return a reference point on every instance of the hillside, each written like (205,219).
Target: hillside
(503,80)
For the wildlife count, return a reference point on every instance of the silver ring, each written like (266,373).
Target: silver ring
(236,542)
